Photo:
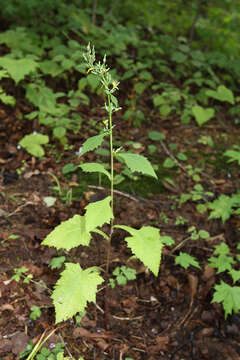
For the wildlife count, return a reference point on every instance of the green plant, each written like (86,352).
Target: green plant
(185,260)
(145,243)
(180,220)
(224,206)
(221,94)
(22,168)
(57,262)
(193,235)
(19,273)
(49,200)
(52,353)
(64,194)
(27,350)
(32,350)
(123,274)
(206,140)
(202,115)
(234,154)
(194,172)
(57,116)
(5,98)
(33,144)
(35,312)
(17,69)
(229,296)
(197,194)
(224,293)
(169,99)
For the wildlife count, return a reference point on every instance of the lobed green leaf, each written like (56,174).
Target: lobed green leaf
(76,231)
(229,296)
(146,244)
(74,289)
(185,260)
(18,69)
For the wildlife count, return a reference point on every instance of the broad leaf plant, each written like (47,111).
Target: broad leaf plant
(76,286)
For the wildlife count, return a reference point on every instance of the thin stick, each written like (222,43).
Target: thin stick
(179,164)
(172,157)
(121,193)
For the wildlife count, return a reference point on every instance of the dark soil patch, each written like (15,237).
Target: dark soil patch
(168,317)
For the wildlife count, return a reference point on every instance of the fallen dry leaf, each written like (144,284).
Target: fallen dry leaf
(102,344)
(208,273)
(5,345)
(162,342)
(19,342)
(193,284)
(29,174)
(6,307)
(81,332)
(87,322)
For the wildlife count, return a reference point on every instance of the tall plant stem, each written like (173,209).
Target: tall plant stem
(112,178)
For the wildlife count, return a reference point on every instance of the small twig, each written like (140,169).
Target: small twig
(128,196)
(68,351)
(99,308)
(179,164)
(172,157)
(140,350)
(127,318)
(20,207)
(180,244)
(8,336)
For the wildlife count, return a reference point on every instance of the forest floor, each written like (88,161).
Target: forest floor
(166,317)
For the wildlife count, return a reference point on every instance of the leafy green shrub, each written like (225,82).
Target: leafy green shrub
(224,206)
(224,293)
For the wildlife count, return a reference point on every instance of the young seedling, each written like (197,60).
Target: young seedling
(75,283)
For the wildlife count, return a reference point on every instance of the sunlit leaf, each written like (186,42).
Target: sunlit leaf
(74,289)
(77,230)
(98,213)
(95,167)
(138,163)
(69,234)
(92,143)
(146,244)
